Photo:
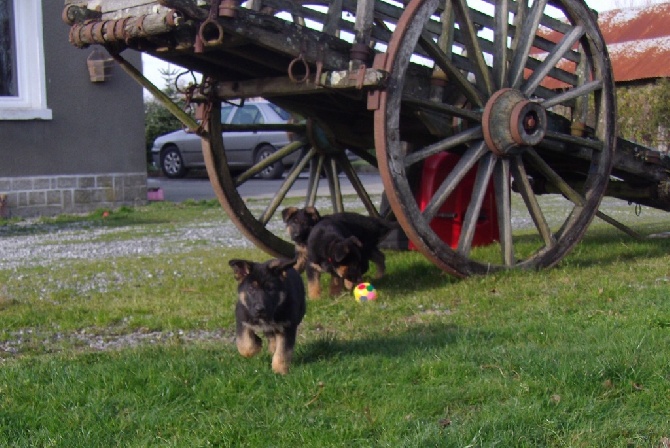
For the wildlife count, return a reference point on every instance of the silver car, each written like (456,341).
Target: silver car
(175,153)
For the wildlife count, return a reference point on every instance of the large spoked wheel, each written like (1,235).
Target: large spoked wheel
(507,103)
(262,223)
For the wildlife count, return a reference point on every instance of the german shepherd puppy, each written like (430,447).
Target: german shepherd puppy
(343,244)
(271,300)
(299,223)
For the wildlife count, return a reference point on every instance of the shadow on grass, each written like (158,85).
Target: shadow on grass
(410,272)
(415,338)
(608,246)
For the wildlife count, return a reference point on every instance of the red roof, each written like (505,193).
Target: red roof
(638,42)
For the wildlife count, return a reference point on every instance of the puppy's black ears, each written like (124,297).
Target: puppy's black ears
(241,268)
(313,213)
(280,266)
(343,247)
(288,212)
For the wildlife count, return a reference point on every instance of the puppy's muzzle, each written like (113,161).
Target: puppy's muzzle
(258,310)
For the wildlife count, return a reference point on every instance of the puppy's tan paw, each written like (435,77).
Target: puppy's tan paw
(314,290)
(281,362)
(248,344)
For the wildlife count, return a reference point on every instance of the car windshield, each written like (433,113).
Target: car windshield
(279,111)
(248,114)
(225,112)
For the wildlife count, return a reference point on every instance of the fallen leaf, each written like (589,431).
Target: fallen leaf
(320,386)
(445,422)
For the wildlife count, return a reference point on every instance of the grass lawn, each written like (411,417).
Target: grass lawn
(137,350)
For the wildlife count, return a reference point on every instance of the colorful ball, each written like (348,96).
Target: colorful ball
(364,292)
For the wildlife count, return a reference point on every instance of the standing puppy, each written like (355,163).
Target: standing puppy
(299,223)
(271,300)
(343,244)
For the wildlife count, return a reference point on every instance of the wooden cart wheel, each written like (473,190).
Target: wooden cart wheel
(520,101)
(265,228)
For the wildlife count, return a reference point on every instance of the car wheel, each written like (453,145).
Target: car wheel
(172,163)
(273,171)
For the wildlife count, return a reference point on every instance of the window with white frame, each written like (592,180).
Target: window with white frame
(22,77)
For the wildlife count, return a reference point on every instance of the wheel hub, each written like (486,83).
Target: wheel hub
(511,122)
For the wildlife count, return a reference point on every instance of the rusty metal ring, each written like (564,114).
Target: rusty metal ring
(290,70)
(228,8)
(528,123)
(514,121)
(66,15)
(97,32)
(88,33)
(120,29)
(109,31)
(204,29)
(139,23)
(74,35)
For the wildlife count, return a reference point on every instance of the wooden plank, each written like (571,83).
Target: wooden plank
(282,86)
(117,5)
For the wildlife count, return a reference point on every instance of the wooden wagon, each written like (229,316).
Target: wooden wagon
(494,100)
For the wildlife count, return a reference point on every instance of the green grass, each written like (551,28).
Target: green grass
(575,356)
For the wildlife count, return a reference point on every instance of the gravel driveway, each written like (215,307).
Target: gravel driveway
(33,244)
(41,245)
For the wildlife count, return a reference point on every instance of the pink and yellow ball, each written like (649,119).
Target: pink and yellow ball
(364,292)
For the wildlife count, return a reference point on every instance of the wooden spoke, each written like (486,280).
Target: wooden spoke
(314,177)
(456,76)
(532,204)
(484,172)
(575,141)
(572,94)
(444,145)
(355,180)
(526,37)
(552,59)
(447,110)
(500,36)
(334,185)
(482,73)
(283,190)
(465,163)
(501,182)
(268,161)
(554,178)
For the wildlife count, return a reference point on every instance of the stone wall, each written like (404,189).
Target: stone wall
(52,195)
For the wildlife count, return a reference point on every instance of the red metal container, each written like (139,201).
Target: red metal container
(448,222)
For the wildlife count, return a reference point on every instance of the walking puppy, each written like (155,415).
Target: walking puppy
(299,223)
(343,244)
(271,300)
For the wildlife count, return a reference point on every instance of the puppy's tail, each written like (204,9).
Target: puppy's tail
(386,226)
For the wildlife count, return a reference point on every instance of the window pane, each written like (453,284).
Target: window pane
(8,85)
(284,115)
(247,114)
(225,112)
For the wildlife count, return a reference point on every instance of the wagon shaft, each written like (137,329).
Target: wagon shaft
(468,104)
